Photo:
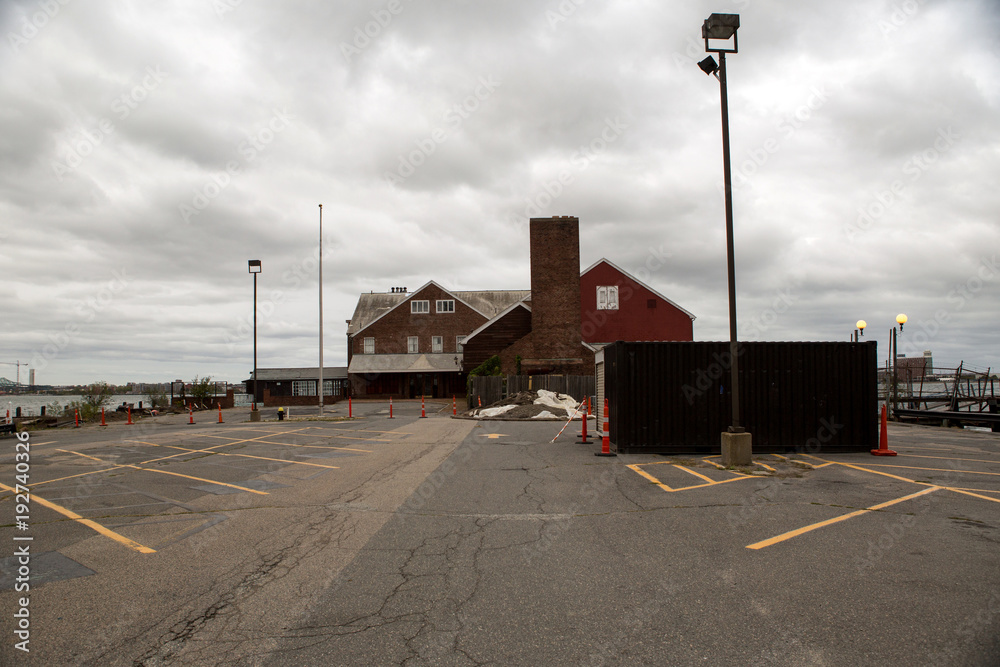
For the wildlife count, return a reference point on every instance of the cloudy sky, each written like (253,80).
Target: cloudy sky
(148,150)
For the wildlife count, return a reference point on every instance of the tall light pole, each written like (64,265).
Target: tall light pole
(736,442)
(900,320)
(254,266)
(320,387)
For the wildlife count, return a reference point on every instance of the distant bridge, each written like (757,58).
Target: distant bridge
(7,384)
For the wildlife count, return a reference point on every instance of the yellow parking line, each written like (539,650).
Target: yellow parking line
(60,479)
(949,458)
(696,474)
(764,465)
(248,456)
(783,458)
(964,472)
(799,531)
(121,539)
(974,495)
(702,486)
(635,467)
(717,465)
(176,474)
(346,449)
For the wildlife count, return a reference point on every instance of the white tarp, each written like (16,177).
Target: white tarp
(545,414)
(552,399)
(495,412)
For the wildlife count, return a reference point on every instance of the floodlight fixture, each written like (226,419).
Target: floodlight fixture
(721,27)
(254,265)
(709,66)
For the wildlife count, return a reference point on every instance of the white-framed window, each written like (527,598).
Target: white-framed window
(413,344)
(420,306)
(607,297)
(303,387)
(369,346)
(444,306)
(437,344)
(459,343)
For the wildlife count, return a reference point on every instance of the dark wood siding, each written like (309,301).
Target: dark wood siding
(511,327)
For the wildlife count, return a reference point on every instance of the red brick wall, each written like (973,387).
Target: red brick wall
(634,320)
(391,332)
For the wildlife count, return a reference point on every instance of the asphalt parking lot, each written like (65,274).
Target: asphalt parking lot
(441,541)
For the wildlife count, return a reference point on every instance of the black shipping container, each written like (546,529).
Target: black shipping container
(674,398)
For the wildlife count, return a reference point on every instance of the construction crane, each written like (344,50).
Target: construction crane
(18,364)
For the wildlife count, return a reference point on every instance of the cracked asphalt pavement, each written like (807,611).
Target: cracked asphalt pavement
(452,542)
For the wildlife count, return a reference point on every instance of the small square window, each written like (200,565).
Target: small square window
(459,343)
(445,306)
(413,344)
(607,297)
(369,346)
(437,344)
(420,306)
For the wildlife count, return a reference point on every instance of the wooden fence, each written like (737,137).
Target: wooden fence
(491,388)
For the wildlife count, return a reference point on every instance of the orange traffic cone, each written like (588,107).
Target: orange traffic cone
(606,439)
(190,414)
(883,441)
(350,409)
(423,413)
(129,415)
(454,406)
(586,412)
(390,407)
(103,423)
(220,413)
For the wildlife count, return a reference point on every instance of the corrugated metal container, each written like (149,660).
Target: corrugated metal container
(674,398)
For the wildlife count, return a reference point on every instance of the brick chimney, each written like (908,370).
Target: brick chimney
(555,287)
(554,344)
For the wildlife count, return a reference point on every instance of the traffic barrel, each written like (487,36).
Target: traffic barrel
(606,439)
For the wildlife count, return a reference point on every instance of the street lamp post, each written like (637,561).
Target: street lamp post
(254,267)
(901,320)
(319,388)
(736,442)
(860,328)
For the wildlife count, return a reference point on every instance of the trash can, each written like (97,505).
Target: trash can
(281,414)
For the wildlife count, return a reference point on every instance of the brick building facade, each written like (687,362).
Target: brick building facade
(426,342)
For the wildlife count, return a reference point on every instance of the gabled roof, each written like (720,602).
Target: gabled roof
(495,318)
(375,305)
(636,281)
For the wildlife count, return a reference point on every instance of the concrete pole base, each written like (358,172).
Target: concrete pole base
(736,449)
(255,415)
